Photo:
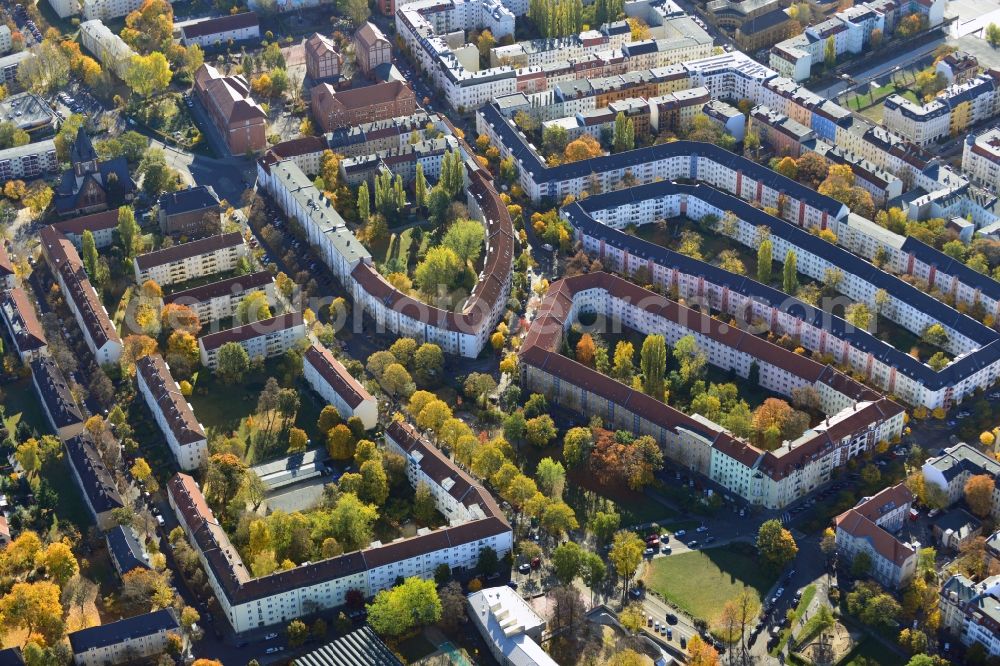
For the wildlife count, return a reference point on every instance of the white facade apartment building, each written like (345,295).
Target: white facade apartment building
(250,603)
(971,611)
(186,261)
(184,434)
(65,8)
(325,229)
(219,300)
(955,466)
(771,479)
(29,161)
(464,332)
(109,49)
(869,527)
(420,24)
(81,297)
(950,113)
(125,641)
(328,377)
(599,219)
(108,9)
(981,158)
(260,339)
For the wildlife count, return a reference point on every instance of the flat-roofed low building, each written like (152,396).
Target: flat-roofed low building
(193,211)
(27,111)
(361,646)
(195,259)
(511,628)
(100,494)
(31,160)
(337,386)
(219,30)
(125,641)
(260,339)
(184,434)
(23,327)
(219,300)
(102,225)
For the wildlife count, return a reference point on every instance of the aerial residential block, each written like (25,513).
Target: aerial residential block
(338,387)
(185,436)
(198,258)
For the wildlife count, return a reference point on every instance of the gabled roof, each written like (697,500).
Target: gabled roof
(219,24)
(115,633)
(55,393)
(336,375)
(186,250)
(188,199)
(252,330)
(20,314)
(98,484)
(82,150)
(168,400)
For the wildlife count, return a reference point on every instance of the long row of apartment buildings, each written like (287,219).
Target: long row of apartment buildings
(599,223)
(464,331)
(475,523)
(949,114)
(873,152)
(421,26)
(859,417)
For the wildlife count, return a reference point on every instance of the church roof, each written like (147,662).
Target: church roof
(82,149)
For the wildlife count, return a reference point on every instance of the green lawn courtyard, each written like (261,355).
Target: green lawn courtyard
(701,582)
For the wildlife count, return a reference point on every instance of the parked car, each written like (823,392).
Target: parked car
(524,568)
(671,618)
(536,563)
(271,636)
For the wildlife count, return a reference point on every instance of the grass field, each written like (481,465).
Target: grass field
(701,582)
(875,653)
(21,403)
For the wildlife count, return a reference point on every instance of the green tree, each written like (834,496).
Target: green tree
(148,74)
(128,231)
(567,560)
(623,137)
(653,364)
(420,187)
(438,271)
(157,176)
(413,604)
(551,477)
(764,258)
(90,256)
(790,275)
(364,202)
(233,362)
(465,239)
(351,520)
(830,53)
(625,555)
(775,544)
(993,35)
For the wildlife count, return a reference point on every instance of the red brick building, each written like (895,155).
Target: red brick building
(371,48)
(238,117)
(333,109)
